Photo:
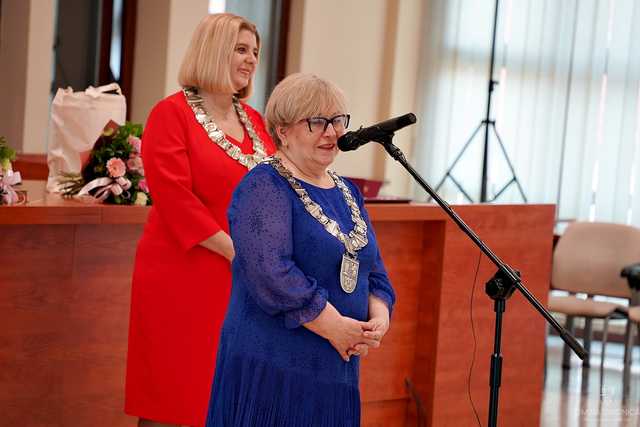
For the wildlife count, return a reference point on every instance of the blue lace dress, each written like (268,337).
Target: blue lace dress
(271,370)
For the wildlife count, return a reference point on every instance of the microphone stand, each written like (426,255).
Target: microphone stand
(499,288)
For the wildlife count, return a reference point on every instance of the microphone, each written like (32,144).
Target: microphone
(352,140)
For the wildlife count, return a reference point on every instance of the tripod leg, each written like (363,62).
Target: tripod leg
(464,193)
(502,189)
(466,145)
(455,161)
(506,156)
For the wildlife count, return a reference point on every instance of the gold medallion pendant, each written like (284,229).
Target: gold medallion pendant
(349,273)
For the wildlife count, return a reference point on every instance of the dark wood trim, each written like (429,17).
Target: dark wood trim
(130,13)
(127,47)
(106,25)
(283,39)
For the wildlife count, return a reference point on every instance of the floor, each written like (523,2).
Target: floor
(579,397)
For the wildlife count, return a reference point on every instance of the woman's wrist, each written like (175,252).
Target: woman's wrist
(325,323)
(378,308)
(221,244)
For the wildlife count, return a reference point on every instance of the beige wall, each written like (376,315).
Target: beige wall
(370,49)
(404,64)
(13,69)
(26,59)
(38,76)
(164,28)
(150,57)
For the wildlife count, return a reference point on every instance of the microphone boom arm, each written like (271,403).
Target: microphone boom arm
(399,156)
(499,288)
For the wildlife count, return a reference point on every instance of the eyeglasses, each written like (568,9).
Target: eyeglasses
(320,124)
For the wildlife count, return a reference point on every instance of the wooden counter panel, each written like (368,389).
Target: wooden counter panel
(66,304)
(48,208)
(388,413)
(65,292)
(525,242)
(384,370)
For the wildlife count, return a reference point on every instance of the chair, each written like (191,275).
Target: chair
(632,274)
(587,260)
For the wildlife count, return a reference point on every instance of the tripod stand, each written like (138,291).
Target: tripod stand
(488,125)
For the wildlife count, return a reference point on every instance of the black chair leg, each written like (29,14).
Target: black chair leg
(628,352)
(566,351)
(588,337)
(605,333)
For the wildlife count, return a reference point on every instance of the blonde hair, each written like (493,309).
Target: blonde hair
(207,61)
(300,96)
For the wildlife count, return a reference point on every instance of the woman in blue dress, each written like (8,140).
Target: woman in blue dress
(310,293)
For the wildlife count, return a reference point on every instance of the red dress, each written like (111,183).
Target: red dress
(180,289)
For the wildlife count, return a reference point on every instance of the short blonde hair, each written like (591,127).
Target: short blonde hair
(300,96)
(207,62)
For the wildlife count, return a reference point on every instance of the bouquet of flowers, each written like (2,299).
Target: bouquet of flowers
(9,178)
(113,172)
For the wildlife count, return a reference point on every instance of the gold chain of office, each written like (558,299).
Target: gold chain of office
(355,240)
(196,102)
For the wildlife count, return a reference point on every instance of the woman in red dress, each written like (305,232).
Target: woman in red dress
(197,145)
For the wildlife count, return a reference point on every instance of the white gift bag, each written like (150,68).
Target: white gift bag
(77,120)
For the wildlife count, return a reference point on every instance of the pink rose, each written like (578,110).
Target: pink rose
(142,185)
(135,142)
(116,167)
(135,164)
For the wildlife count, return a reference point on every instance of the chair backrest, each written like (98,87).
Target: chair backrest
(590,255)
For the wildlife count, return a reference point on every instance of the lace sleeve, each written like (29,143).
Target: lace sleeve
(260,220)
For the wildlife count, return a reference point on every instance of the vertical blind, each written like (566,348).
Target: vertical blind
(567,106)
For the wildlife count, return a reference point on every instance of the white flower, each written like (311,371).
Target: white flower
(141,199)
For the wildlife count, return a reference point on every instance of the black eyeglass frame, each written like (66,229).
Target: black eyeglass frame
(327,121)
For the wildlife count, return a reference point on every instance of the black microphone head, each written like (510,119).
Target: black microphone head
(396,123)
(378,132)
(408,119)
(405,120)
(349,142)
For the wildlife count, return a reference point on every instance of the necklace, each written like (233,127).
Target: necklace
(216,135)
(355,240)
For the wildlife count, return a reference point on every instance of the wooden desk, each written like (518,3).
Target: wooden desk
(64,304)
(433,265)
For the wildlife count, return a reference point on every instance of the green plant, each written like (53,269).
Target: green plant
(7,155)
